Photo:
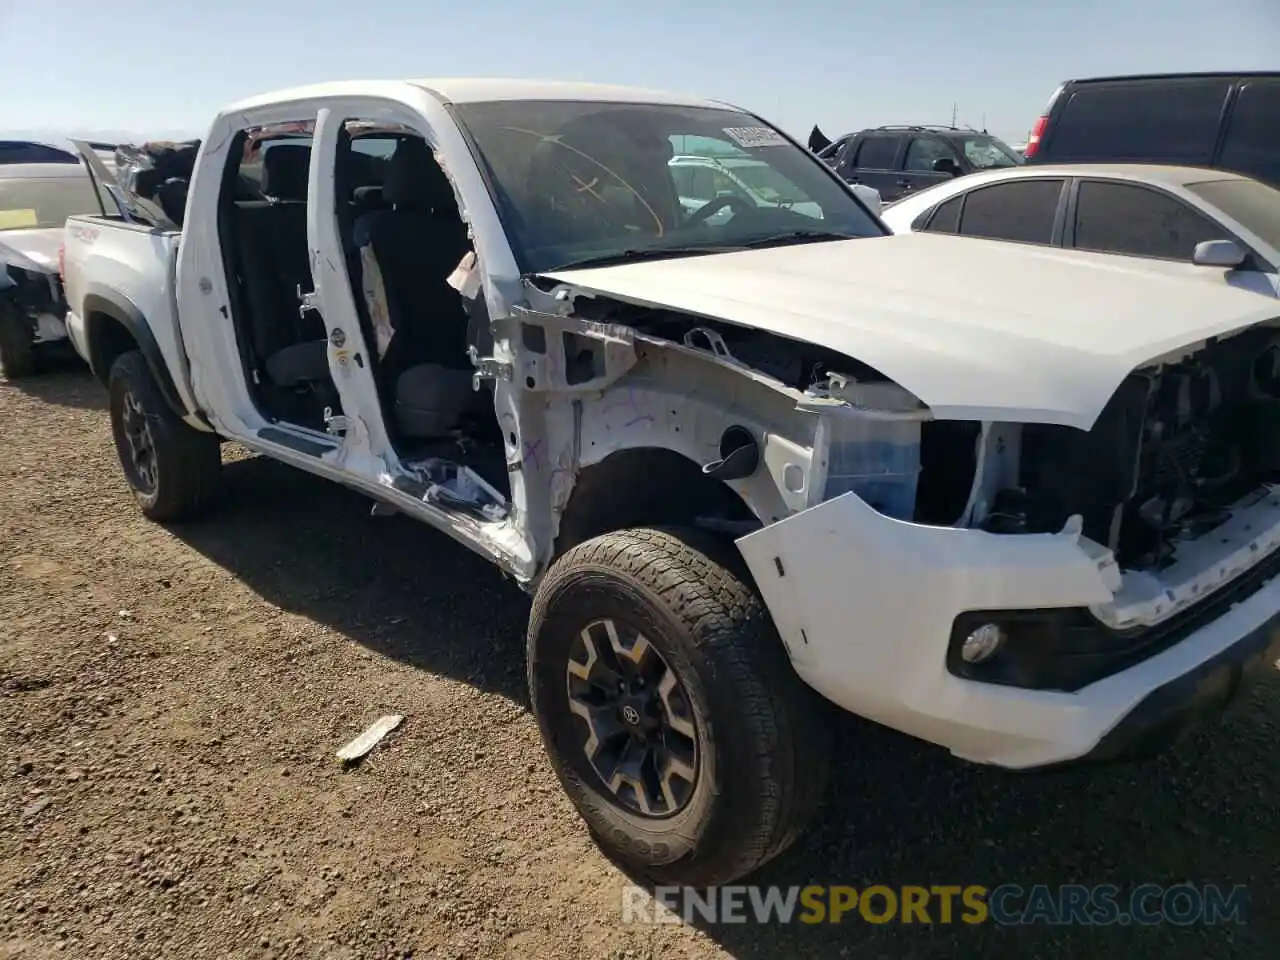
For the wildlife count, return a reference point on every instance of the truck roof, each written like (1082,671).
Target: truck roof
(476,89)
(1193,75)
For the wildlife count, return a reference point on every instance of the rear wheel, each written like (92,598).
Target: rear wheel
(173,469)
(669,710)
(17,352)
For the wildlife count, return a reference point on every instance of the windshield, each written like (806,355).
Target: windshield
(988,153)
(36,202)
(1255,206)
(576,181)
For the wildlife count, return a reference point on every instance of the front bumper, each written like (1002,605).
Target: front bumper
(1206,690)
(76,334)
(866,605)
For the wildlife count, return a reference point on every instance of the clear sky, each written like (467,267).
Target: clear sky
(164,67)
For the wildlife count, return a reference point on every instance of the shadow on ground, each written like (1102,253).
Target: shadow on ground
(64,381)
(903,813)
(390,583)
(898,812)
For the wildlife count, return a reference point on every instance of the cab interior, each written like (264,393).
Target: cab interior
(402,237)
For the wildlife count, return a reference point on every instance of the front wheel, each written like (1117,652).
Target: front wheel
(173,469)
(672,717)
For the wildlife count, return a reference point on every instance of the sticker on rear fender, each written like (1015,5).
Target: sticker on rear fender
(748,137)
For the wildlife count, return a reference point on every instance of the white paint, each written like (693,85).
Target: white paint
(978,330)
(35,250)
(469,90)
(865,605)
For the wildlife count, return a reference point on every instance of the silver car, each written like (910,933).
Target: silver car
(35,201)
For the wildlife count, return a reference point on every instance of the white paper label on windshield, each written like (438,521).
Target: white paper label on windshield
(748,137)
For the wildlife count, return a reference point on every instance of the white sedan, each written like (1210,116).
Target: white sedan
(1219,225)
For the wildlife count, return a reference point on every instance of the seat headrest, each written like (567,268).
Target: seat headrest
(284,171)
(415,181)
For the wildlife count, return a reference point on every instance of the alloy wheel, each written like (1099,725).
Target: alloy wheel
(638,731)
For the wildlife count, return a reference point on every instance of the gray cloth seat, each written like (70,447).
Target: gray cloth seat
(299,364)
(417,239)
(432,400)
(275,265)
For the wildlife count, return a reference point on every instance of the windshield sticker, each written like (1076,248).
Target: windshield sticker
(17,219)
(748,137)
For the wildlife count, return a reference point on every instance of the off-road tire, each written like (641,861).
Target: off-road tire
(17,352)
(764,746)
(187,462)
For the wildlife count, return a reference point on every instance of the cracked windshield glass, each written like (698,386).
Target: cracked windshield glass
(586,183)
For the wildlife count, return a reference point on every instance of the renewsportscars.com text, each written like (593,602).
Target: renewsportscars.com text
(1006,905)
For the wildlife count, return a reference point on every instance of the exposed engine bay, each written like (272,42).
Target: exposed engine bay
(1173,450)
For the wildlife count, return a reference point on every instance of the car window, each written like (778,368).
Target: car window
(1252,144)
(379,147)
(923,151)
(1022,210)
(988,153)
(366,165)
(1254,205)
(946,219)
(40,202)
(877,153)
(1135,220)
(1168,120)
(262,140)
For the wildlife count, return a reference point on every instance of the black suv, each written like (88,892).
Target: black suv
(901,160)
(1229,121)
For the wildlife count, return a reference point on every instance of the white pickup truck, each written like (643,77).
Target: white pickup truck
(1014,501)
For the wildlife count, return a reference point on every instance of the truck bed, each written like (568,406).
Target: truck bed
(127,271)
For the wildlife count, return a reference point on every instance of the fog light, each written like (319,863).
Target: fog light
(983,643)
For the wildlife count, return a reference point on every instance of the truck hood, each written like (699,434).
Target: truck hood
(977,329)
(35,250)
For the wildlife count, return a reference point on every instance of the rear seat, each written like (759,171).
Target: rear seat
(275,263)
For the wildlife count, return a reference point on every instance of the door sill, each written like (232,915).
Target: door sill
(296,441)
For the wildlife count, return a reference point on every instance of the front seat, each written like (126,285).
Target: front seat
(415,242)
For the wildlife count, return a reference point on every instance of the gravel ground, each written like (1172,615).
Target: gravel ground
(171,700)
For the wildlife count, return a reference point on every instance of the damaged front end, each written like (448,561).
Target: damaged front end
(1045,558)
(963,581)
(32,312)
(1176,479)
(33,300)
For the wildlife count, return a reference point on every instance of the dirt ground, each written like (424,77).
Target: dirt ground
(171,700)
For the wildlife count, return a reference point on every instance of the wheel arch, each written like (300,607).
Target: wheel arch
(115,325)
(643,486)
